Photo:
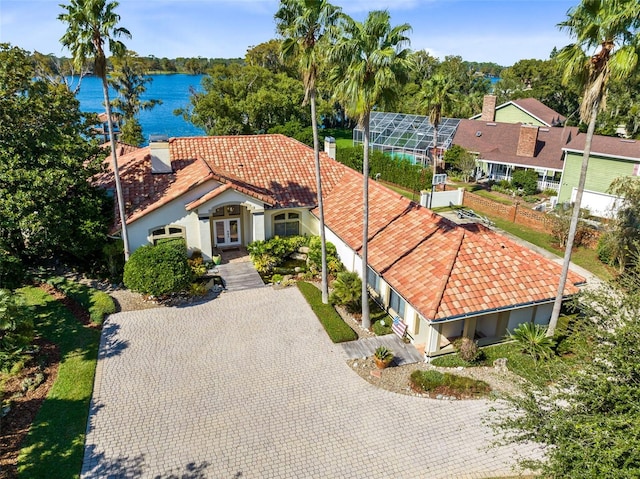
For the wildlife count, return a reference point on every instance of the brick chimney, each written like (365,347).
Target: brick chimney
(160,159)
(489,108)
(527,140)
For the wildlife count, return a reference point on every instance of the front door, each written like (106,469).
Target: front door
(227,232)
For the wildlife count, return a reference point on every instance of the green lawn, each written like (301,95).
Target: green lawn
(584,257)
(334,325)
(54,445)
(343,136)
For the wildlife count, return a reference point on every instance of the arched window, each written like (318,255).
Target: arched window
(167,232)
(286,224)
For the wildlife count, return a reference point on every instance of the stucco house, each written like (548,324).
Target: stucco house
(443,280)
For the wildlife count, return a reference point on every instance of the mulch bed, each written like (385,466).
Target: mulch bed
(26,404)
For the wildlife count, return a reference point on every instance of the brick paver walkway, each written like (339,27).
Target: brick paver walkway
(249,386)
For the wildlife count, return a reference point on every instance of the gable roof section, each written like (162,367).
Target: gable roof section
(443,270)
(498,142)
(534,108)
(281,167)
(274,169)
(610,146)
(539,110)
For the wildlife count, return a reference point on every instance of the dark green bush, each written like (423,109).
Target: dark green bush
(267,254)
(113,253)
(159,270)
(604,250)
(11,271)
(525,179)
(334,325)
(347,291)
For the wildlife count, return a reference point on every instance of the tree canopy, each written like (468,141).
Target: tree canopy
(47,205)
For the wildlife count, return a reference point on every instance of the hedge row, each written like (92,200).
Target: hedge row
(334,325)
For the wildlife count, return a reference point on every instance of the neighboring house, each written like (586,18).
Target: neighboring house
(502,148)
(525,110)
(443,280)
(610,158)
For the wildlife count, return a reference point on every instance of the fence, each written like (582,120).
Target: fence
(514,213)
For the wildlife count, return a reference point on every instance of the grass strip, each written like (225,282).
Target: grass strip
(334,325)
(55,444)
(98,303)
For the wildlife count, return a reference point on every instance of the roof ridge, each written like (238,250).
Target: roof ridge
(443,286)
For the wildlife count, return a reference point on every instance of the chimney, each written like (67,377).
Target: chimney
(160,159)
(330,146)
(488,108)
(527,141)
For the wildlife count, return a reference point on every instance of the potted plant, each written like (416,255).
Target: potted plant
(383,357)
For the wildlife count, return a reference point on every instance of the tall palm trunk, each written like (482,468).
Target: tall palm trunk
(574,219)
(116,171)
(316,154)
(366,321)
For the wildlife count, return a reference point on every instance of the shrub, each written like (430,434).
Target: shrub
(505,184)
(11,271)
(314,261)
(467,349)
(16,330)
(334,325)
(113,253)
(347,291)
(267,254)
(159,270)
(525,179)
(534,340)
(549,192)
(197,265)
(604,250)
(382,326)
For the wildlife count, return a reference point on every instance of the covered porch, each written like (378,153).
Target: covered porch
(548,179)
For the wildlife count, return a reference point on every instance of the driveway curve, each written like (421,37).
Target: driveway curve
(249,386)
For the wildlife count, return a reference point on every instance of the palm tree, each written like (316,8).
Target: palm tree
(606,47)
(436,95)
(91,24)
(303,24)
(371,61)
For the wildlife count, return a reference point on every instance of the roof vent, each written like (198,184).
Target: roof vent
(491,124)
(627,141)
(478,133)
(543,129)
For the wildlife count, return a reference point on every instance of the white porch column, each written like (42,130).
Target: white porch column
(204,228)
(257,225)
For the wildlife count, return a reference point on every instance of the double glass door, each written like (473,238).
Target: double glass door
(227,232)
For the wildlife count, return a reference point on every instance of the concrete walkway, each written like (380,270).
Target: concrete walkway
(249,386)
(404,353)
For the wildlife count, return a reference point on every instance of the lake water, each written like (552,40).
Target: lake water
(173,90)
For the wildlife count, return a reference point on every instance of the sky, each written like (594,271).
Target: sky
(499,31)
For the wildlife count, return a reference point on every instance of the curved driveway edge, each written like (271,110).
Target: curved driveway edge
(249,386)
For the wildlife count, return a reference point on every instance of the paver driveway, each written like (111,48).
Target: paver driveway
(249,386)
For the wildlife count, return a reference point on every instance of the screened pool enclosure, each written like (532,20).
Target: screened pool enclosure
(407,136)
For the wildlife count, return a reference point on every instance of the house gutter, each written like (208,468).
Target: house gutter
(604,155)
(494,310)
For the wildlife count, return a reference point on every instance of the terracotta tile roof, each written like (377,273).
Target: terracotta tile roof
(441,269)
(539,110)
(276,170)
(607,145)
(281,167)
(498,142)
